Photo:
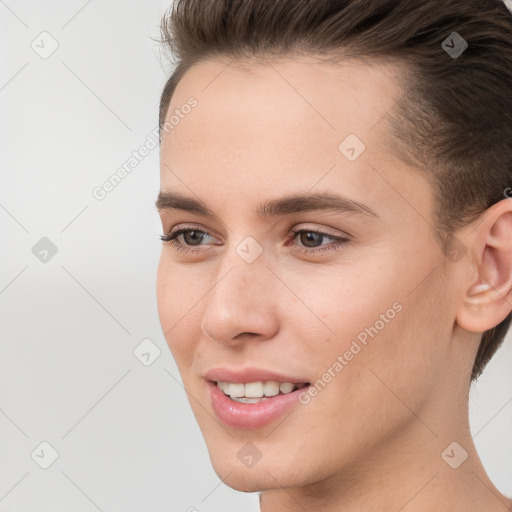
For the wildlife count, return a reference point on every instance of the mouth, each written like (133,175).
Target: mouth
(253,405)
(259,391)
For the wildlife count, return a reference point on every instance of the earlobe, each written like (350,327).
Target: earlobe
(487,300)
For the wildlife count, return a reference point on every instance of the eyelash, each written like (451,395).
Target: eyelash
(171,239)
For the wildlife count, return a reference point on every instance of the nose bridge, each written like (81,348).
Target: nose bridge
(242,297)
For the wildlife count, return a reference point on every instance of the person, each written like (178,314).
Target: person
(337,243)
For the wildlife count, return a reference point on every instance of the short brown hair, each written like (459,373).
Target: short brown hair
(455,117)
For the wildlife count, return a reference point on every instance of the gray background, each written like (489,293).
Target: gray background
(124,432)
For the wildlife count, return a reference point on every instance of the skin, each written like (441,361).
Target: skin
(372,438)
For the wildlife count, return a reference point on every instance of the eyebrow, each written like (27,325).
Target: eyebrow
(295,203)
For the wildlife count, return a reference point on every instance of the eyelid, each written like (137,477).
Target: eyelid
(178,227)
(324,230)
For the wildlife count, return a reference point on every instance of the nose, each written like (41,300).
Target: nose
(242,305)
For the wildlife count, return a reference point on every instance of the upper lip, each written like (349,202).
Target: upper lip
(246,375)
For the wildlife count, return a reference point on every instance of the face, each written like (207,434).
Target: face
(350,303)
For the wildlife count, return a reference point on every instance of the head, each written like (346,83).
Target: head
(344,171)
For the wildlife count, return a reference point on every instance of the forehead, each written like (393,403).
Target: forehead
(352,95)
(286,123)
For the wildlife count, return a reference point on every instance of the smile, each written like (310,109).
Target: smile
(256,392)
(236,408)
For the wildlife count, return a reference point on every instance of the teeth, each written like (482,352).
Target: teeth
(271,388)
(249,400)
(254,389)
(254,392)
(236,390)
(286,387)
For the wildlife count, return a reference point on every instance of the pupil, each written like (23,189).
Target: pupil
(310,237)
(197,238)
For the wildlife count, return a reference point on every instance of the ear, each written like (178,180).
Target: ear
(487,296)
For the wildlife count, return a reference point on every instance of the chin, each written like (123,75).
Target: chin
(247,483)
(254,479)
(237,475)
(270,472)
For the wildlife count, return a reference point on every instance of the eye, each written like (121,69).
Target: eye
(195,236)
(316,236)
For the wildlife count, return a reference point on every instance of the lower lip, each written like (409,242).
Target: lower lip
(250,416)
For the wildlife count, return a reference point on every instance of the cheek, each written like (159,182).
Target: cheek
(173,309)
(163,295)
(339,305)
(370,320)
(176,290)
(387,364)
